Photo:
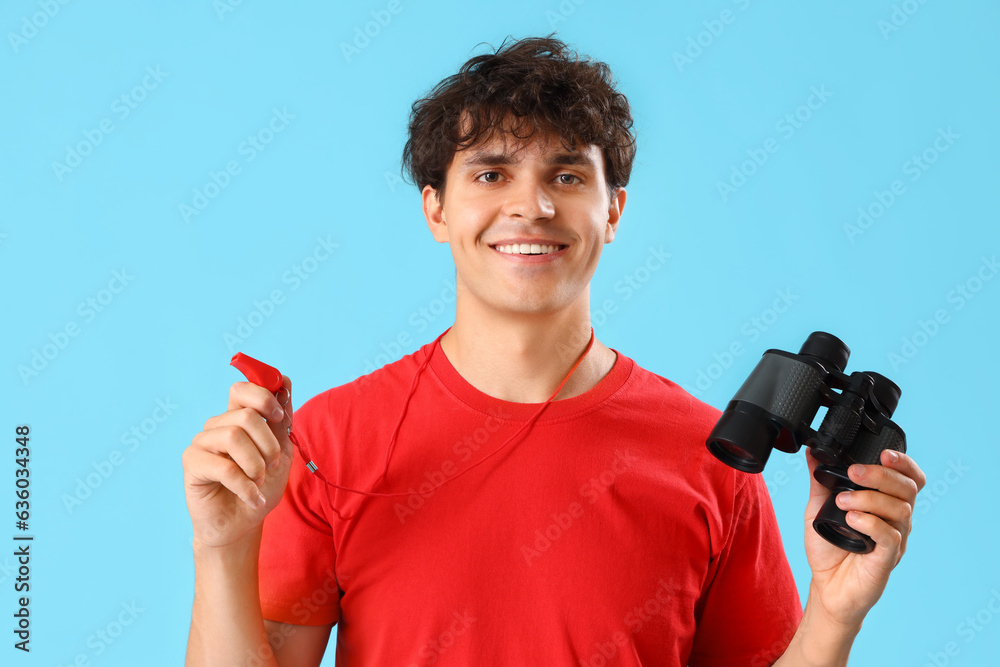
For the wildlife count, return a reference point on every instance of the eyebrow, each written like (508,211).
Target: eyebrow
(489,158)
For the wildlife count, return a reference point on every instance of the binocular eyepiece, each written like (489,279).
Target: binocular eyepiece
(775,408)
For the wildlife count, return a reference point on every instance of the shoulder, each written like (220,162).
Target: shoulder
(672,404)
(367,396)
(346,428)
(681,424)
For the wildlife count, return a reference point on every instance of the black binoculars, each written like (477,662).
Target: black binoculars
(776,406)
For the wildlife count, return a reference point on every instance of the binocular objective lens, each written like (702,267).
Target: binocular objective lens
(736,451)
(843,531)
(735,456)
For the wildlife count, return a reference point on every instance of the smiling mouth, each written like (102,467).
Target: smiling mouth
(528,248)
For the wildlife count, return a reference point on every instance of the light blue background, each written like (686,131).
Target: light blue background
(332,172)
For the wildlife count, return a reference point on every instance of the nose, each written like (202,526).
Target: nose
(529,199)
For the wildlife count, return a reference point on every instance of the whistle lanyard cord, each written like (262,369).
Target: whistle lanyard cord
(388,452)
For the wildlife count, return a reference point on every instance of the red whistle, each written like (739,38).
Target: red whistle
(257,372)
(270,378)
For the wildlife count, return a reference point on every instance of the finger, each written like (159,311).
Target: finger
(893,510)
(887,538)
(286,397)
(204,467)
(233,442)
(262,434)
(884,479)
(905,465)
(250,395)
(816,490)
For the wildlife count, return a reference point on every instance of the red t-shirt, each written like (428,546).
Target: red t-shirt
(604,534)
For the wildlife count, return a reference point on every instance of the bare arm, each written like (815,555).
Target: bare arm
(227,627)
(819,641)
(226,620)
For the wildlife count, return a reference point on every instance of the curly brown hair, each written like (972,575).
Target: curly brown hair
(536,81)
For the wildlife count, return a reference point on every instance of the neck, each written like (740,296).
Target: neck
(523,359)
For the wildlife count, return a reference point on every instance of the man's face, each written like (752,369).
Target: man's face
(514,192)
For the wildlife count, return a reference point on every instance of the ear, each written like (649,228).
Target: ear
(614,214)
(434,214)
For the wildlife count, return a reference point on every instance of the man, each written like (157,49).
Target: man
(541,499)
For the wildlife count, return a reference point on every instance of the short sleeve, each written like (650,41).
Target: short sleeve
(297,576)
(751,609)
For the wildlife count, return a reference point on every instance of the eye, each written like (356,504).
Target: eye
(497,173)
(486,173)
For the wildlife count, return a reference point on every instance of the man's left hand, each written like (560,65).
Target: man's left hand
(846,585)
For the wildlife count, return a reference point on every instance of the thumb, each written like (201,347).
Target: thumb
(284,396)
(817,492)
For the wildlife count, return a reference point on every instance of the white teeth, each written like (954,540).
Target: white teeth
(527,249)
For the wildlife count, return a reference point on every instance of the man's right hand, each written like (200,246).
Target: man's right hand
(236,469)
